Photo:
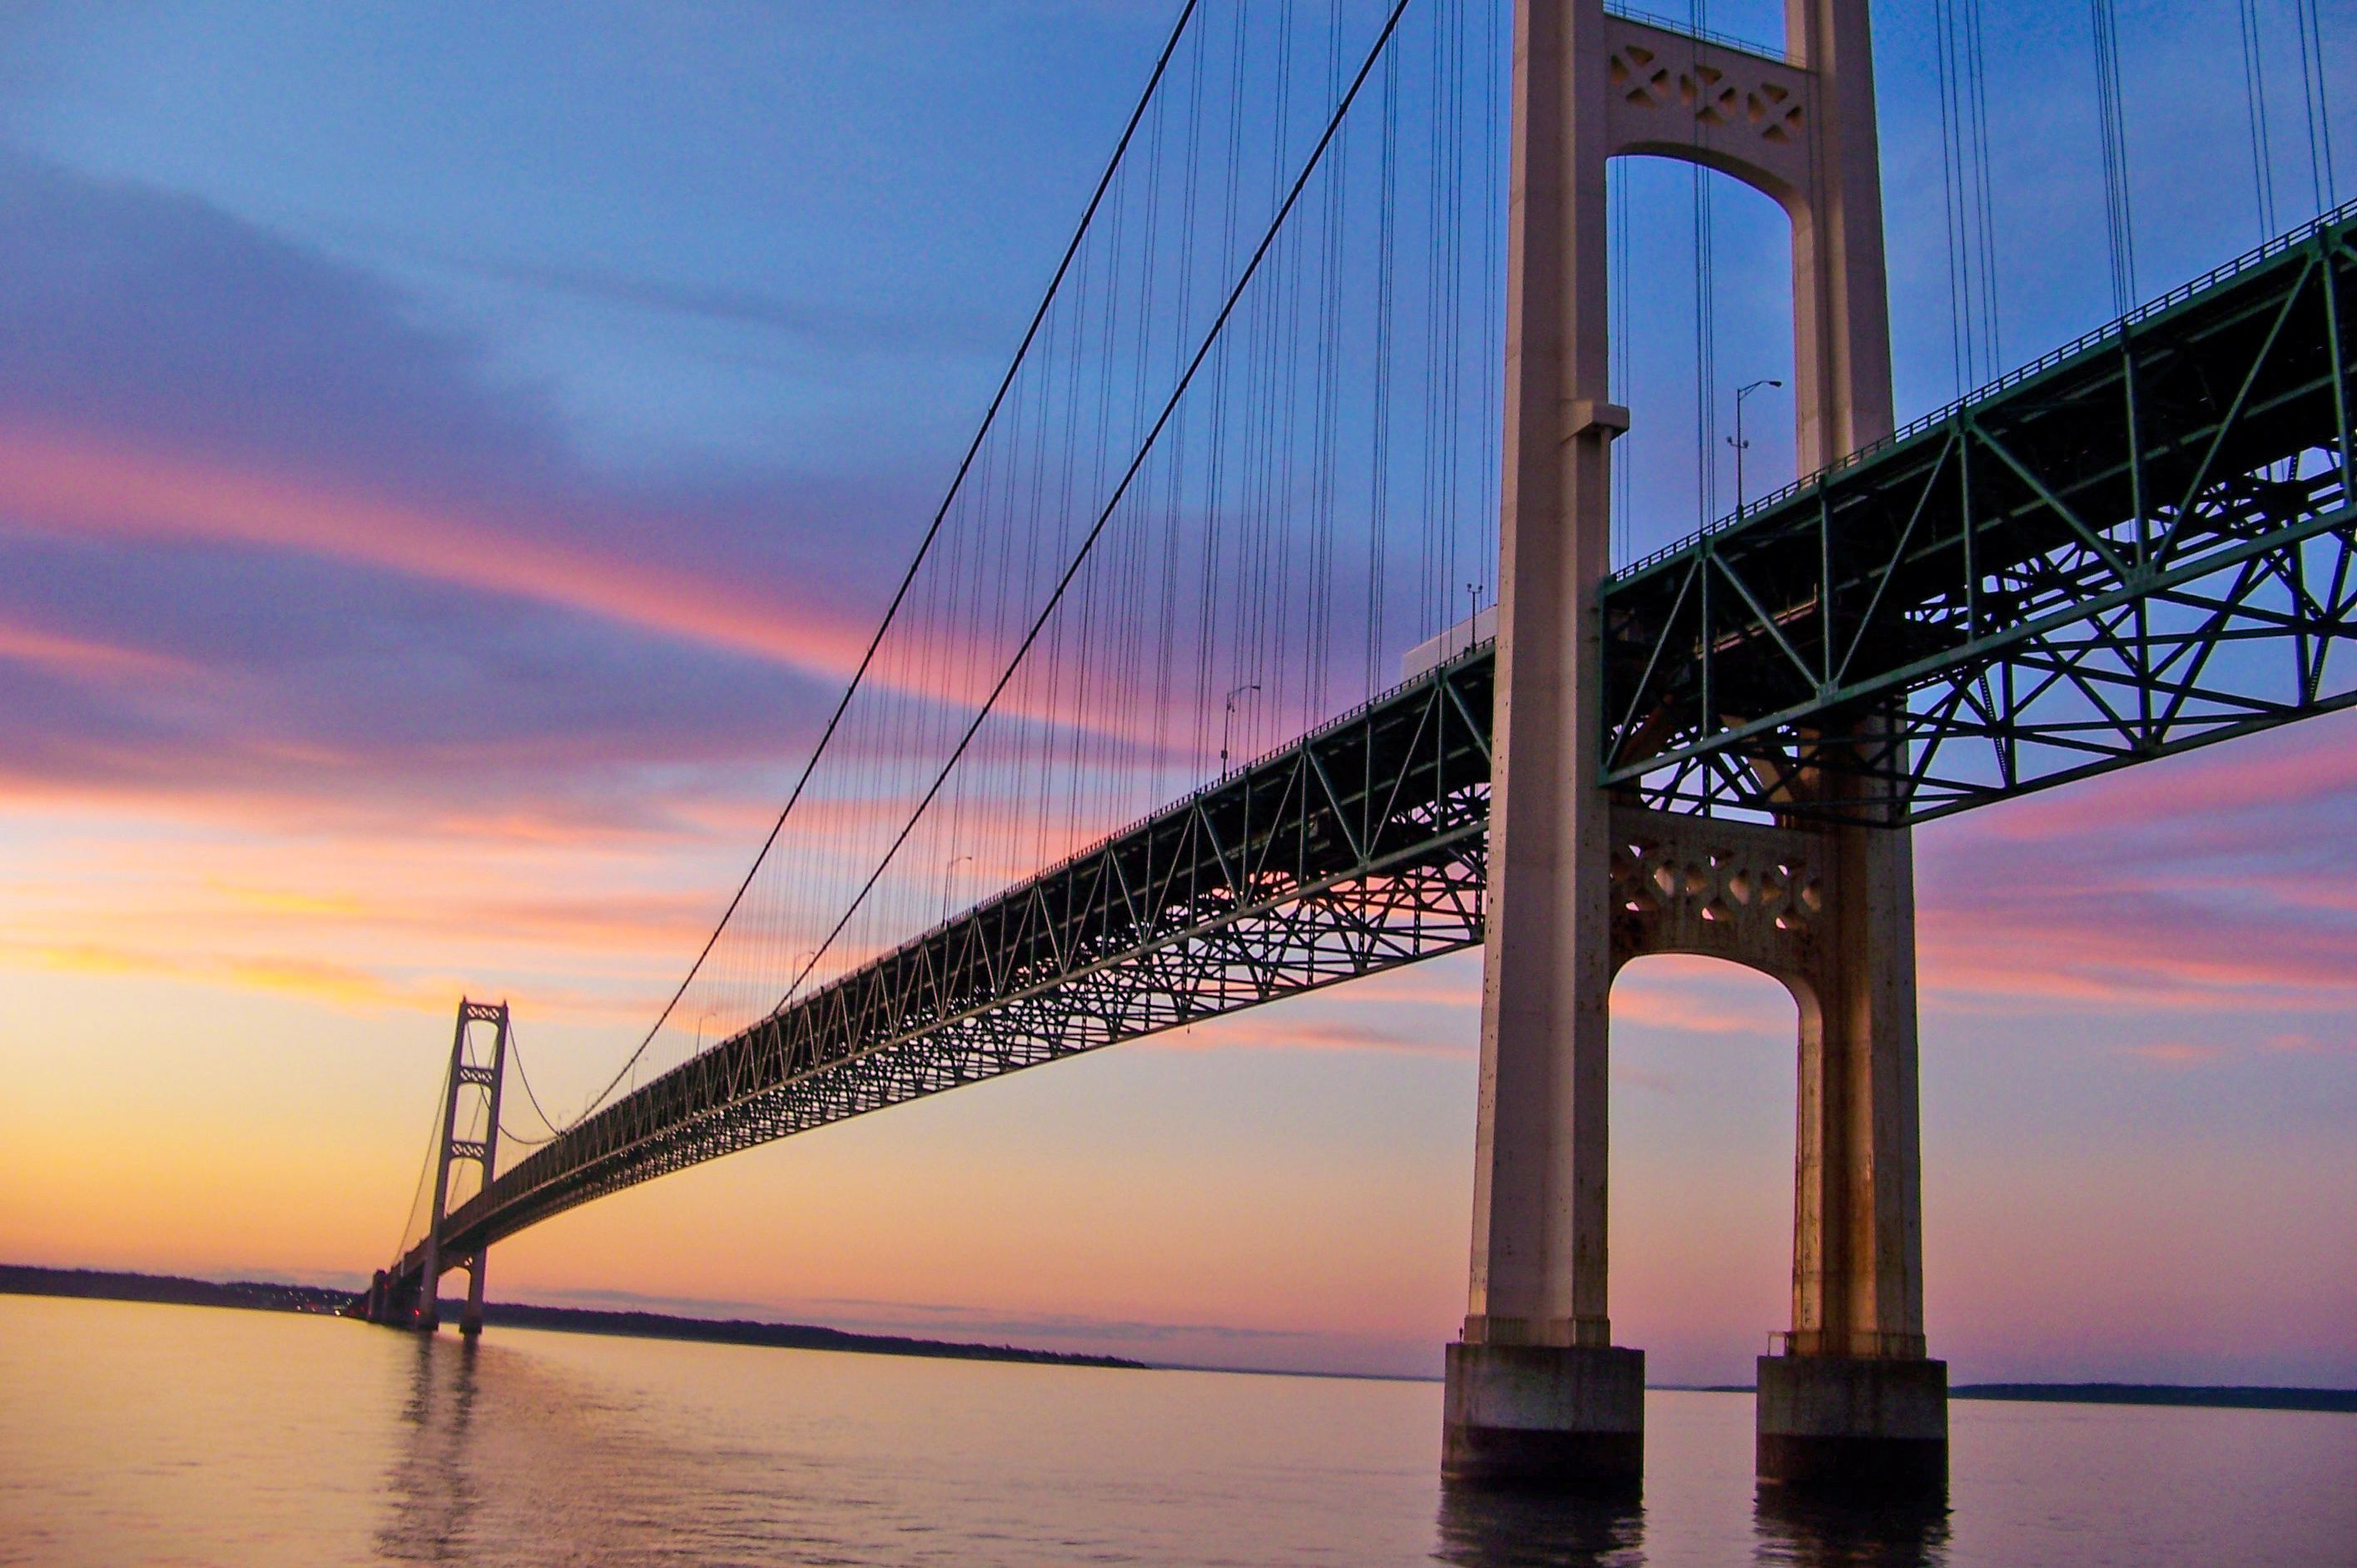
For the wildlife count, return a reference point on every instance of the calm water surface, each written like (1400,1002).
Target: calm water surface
(151,1435)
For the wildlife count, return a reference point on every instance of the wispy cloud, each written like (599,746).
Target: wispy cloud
(110,488)
(81,657)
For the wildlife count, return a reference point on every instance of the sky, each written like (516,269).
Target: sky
(450,457)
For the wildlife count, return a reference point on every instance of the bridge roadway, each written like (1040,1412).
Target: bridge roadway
(2141,544)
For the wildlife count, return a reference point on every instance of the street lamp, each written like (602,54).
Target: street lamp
(1736,440)
(950,866)
(1227,722)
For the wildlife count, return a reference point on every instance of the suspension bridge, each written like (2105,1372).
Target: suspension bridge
(1247,452)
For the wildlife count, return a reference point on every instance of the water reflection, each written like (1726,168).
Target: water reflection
(1517,1530)
(507,1458)
(1816,1531)
(433,1481)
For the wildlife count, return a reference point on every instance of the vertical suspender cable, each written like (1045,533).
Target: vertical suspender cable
(1386,271)
(1706,328)
(1623,356)
(1976,66)
(2313,88)
(1960,354)
(2254,105)
(1967,193)
(2116,156)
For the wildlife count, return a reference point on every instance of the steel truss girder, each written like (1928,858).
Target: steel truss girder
(1360,847)
(2141,545)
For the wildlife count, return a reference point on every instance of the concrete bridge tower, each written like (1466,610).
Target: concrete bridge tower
(415,1303)
(1581,883)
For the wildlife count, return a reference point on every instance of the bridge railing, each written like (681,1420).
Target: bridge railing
(2136,546)
(2338,220)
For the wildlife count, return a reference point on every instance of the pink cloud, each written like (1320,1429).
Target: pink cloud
(1286,1027)
(113,490)
(96,487)
(2300,766)
(2175,1053)
(81,656)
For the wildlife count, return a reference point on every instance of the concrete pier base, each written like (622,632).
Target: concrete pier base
(1546,1417)
(1840,1422)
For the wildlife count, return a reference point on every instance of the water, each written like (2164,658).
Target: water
(166,1435)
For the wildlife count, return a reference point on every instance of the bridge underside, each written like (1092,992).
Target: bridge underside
(1356,849)
(2143,543)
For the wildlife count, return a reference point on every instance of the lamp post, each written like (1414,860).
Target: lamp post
(1227,722)
(946,870)
(1736,440)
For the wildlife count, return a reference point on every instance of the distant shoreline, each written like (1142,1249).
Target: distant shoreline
(2226,1396)
(97,1284)
(2204,1396)
(261,1296)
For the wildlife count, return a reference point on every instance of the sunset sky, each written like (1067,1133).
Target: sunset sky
(449,456)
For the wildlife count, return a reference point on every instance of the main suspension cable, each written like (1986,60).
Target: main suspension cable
(516,1058)
(1104,516)
(425,1170)
(900,594)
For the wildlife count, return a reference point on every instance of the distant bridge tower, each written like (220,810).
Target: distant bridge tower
(1581,884)
(467,1076)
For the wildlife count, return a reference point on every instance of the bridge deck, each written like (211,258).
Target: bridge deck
(1358,848)
(2140,545)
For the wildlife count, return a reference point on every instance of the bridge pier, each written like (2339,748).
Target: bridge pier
(471,1320)
(1555,1416)
(1581,882)
(1537,1394)
(1853,1399)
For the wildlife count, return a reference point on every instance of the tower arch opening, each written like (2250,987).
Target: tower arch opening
(1702,331)
(1703,1102)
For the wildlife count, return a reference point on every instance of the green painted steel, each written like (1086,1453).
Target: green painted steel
(2140,545)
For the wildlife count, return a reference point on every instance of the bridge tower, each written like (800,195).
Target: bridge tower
(466,1075)
(1581,883)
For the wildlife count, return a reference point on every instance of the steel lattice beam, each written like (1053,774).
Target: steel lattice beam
(1356,849)
(2136,546)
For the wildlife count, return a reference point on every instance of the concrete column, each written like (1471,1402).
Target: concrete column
(1840,310)
(1536,1393)
(1853,1399)
(429,1305)
(470,1321)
